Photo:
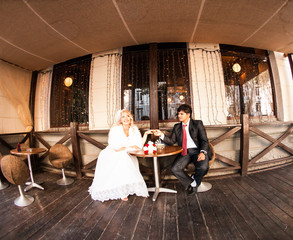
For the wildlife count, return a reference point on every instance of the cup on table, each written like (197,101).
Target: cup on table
(160,146)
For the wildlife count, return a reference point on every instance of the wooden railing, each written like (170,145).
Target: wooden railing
(274,143)
(240,165)
(75,136)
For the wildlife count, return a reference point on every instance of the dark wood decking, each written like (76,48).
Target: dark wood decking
(259,206)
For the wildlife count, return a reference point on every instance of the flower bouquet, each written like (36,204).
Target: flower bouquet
(150,148)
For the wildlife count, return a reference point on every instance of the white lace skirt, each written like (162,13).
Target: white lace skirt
(117,175)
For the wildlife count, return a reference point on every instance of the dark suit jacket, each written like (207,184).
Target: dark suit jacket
(197,132)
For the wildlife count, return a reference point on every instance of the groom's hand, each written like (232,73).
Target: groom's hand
(201,157)
(157,133)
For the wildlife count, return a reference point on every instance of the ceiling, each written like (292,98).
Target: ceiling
(35,34)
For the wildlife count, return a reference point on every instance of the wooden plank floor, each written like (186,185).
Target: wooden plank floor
(259,206)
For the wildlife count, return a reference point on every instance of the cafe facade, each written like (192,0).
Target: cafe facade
(242,95)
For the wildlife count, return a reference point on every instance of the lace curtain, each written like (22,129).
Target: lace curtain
(208,89)
(15,86)
(105,81)
(42,102)
(113,86)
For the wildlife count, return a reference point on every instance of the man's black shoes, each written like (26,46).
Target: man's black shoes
(191,190)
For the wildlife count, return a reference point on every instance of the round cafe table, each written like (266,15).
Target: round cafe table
(167,151)
(28,152)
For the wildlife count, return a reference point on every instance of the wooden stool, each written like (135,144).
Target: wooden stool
(60,157)
(204,186)
(16,172)
(3,185)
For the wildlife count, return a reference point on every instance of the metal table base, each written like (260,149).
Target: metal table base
(157,189)
(32,183)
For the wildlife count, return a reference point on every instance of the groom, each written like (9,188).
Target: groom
(191,136)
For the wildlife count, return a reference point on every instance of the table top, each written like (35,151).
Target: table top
(28,151)
(167,151)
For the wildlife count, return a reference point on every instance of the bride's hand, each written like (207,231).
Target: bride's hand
(133,148)
(149,132)
(146,133)
(158,133)
(120,149)
(136,147)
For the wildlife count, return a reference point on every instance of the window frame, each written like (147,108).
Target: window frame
(66,65)
(237,51)
(153,50)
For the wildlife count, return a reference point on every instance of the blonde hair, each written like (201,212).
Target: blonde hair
(118,122)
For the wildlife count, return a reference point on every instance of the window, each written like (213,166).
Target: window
(248,82)
(69,93)
(135,81)
(172,79)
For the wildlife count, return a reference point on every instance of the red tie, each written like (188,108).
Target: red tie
(184,142)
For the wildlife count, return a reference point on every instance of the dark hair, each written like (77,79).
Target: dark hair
(185,108)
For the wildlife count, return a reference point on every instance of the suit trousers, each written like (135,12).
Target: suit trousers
(180,163)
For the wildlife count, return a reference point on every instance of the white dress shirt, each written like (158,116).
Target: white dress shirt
(190,142)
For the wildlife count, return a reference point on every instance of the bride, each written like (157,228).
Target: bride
(117,173)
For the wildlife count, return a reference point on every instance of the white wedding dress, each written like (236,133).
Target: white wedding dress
(117,174)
